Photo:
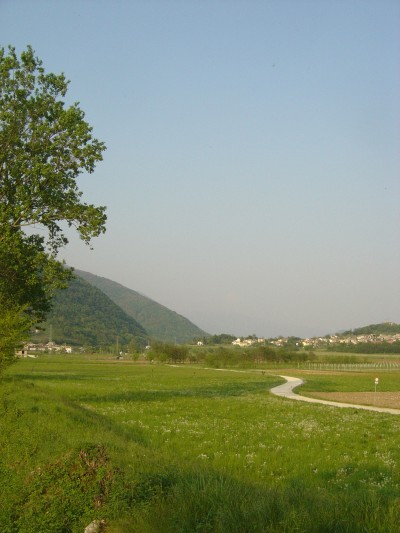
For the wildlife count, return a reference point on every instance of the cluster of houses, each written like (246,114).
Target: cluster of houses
(351,339)
(248,342)
(50,347)
(315,342)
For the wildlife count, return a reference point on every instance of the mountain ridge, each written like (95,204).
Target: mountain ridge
(159,321)
(83,315)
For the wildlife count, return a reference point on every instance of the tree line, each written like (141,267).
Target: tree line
(367,348)
(226,356)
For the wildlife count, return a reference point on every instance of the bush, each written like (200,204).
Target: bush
(174,353)
(67,494)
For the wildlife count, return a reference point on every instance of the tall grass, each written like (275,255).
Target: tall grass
(161,449)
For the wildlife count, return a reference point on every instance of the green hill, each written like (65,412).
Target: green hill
(385,328)
(160,322)
(83,315)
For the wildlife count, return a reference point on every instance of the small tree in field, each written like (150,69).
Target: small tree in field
(44,147)
(163,351)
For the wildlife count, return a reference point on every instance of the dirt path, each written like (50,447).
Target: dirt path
(286,391)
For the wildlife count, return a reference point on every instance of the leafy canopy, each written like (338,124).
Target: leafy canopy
(44,147)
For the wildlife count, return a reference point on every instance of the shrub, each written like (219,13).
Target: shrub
(67,494)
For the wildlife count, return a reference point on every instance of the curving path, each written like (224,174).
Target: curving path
(286,391)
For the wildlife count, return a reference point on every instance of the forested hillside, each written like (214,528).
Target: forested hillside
(385,328)
(159,321)
(82,315)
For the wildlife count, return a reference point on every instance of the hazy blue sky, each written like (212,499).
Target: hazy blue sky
(252,171)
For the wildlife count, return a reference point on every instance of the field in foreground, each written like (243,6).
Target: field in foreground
(163,449)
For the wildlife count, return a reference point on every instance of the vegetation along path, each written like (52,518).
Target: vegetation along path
(286,391)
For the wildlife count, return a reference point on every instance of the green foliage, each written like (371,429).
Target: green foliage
(253,356)
(367,348)
(14,326)
(159,322)
(29,276)
(44,147)
(222,338)
(82,315)
(54,493)
(387,328)
(55,474)
(163,351)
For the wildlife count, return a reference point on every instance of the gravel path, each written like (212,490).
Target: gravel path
(286,391)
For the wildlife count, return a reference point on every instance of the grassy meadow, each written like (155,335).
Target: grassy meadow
(155,448)
(351,382)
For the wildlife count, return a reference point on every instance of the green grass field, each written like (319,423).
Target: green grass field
(153,448)
(352,382)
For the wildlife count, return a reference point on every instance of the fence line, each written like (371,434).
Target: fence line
(386,366)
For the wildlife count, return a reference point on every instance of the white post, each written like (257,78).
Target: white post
(376,384)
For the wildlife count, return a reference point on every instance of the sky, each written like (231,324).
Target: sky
(251,176)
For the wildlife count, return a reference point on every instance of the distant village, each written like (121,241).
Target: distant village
(351,339)
(319,342)
(49,347)
(314,342)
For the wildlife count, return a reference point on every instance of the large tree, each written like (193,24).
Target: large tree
(44,147)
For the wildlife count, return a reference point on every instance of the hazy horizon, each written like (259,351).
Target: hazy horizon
(251,176)
(78,271)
